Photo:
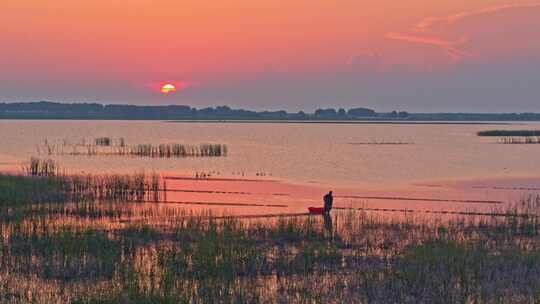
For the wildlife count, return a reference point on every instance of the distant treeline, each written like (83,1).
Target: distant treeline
(54,110)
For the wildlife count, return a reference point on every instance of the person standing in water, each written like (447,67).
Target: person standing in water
(328,201)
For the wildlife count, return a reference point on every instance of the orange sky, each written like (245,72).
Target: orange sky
(117,51)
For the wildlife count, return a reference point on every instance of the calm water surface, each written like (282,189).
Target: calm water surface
(334,154)
(430,162)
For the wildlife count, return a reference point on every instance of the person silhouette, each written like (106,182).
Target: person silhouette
(328,202)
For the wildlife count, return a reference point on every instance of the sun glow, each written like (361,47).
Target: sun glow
(168,88)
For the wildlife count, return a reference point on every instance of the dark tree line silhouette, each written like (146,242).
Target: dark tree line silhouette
(45,109)
(55,110)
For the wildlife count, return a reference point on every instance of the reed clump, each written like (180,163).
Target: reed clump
(41,167)
(177,150)
(516,137)
(106,146)
(138,187)
(520,140)
(103,141)
(529,133)
(381,142)
(24,190)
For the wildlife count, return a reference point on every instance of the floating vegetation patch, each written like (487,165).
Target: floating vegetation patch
(108,147)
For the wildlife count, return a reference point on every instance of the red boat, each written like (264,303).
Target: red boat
(316,210)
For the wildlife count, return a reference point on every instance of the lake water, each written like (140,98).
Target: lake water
(301,160)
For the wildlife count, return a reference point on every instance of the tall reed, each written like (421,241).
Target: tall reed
(178,150)
(103,141)
(520,140)
(106,146)
(138,187)
(509,133)
(41,167)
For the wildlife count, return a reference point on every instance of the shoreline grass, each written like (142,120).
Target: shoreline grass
(34,189)
(97,244)
(229,261)
(41,167)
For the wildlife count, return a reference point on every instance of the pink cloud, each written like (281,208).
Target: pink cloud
(450,47)
(427,23)
(420,31)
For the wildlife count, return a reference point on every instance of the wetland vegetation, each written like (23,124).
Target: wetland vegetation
(516,137)
(527,133)
(106,146)
(519,140)
(93,239)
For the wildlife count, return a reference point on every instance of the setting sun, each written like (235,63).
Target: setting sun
(168,88)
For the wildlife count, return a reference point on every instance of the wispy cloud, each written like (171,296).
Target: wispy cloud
(427,23)
(420,31)
(451,48)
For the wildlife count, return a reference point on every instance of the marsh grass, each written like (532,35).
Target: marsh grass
(41,167)
(105,146)
(383,142)
(103,141)
(23,190)
(516,137)
(520,140)
(178,150)
(100,250)
(137,187)
(523,133)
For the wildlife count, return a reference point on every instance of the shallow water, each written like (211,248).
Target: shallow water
(442,161)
